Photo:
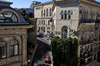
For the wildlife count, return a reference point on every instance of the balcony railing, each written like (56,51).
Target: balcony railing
(89,21)
(85,42)
(86,55)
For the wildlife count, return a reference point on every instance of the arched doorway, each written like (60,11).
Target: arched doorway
(64,32)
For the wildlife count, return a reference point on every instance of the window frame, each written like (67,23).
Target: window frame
(50,12)
(5,48)
(62,13)
(13,48)
(65,14)
(69,14)
(47,12)
(5,18)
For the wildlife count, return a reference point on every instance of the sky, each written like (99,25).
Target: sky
(26,3)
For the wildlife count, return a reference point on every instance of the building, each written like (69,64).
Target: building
(43,15)
(34,3)
(13,36)
(72,18)
(28,10)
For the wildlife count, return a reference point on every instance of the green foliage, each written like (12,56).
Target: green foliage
(28,18)
(65,51)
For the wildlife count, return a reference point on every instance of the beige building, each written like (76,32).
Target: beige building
(13,36)
(72,18)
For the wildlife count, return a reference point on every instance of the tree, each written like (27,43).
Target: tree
(65,51)
(28,19)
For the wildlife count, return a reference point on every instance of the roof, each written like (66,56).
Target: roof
(3,1)
(94,1)
(50,2)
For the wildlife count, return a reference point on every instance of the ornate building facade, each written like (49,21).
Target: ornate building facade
(72,18)
(13,36)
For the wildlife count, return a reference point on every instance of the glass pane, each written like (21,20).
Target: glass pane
(1,20)
(1,16)
(13,42)
(2,44)
(8,20)
(3,52)
(11,50)
(7,14)
(16,50)
(69,12)
(14,18)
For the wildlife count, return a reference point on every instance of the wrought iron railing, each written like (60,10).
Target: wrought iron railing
(89,21)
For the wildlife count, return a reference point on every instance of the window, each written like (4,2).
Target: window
(69,14)
(47,12)
(91,15)
(44,22)
(48,22)
(39,28)
(8,16)
(14,47)
(64,32)
(50,11)
(43,29)
(61,14)
(65,14)
(2,49)
(41,13)
(44,12)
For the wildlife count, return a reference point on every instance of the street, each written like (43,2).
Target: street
(95,64)
(43,50)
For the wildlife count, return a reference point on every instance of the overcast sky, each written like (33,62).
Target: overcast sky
(26,3)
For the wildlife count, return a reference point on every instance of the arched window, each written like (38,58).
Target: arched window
(47,12)
(14,47)
(2,49)
(64,32)
(69,14)
(8,16)
(50,11)
(65,14)
(61,14)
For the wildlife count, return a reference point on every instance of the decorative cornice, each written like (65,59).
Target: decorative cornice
(66,2)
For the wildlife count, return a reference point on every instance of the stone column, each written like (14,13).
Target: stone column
(24,49)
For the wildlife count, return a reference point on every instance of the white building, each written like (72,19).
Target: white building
(72,18)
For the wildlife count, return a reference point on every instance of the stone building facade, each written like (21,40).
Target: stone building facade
(13,36)
(73,18)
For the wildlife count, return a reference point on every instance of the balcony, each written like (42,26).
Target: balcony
(89,21)
(86,55)
(85,42)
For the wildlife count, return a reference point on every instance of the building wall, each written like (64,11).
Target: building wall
(20,35)
(90,8)
(43,20)
(71,24)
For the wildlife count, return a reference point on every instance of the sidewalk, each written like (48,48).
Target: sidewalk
(94,64)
